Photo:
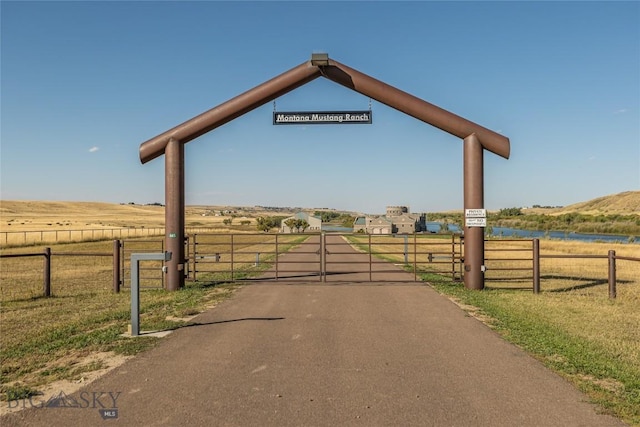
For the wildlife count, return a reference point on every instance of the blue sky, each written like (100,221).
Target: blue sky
(83,84)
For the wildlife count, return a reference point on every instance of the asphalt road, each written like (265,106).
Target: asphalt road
(328,354)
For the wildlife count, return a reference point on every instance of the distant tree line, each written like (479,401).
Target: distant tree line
(569,222)
(267,223)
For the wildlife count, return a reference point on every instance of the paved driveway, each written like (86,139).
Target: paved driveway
(342,353)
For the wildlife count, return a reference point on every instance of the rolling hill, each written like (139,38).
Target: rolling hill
(43,215)
(626,203)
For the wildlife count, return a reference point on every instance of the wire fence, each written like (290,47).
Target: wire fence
(24,238)
(9,239)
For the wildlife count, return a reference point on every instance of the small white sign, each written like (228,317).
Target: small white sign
(475,213)
(476,222)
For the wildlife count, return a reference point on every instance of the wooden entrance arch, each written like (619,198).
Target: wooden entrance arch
(171,143)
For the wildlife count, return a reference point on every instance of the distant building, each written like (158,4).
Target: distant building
(397,220)
(315,223)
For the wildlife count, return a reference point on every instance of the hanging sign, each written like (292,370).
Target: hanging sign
(322,117)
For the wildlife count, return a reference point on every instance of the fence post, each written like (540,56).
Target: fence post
(612,274)
(195,253)
(277,257)
(536,266)
(415,257)
(116,266)
(453,257)
(47,272)
(323,256)
(370,260)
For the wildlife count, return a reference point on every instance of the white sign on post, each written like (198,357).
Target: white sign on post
(475,213)
(475,222)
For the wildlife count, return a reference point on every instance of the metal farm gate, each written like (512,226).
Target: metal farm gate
(324,257)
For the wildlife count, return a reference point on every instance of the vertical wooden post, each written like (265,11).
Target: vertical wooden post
(453,257)
(194,276)
(277,257)
(323,257)
(473,165)
(536,266)
(174,213)
(415,257)
(612,274)
(47,272)
(370,260)
(116,266)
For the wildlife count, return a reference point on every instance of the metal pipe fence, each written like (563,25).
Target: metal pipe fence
(230,257)
(510,263)
(416,253)
(63,274)
(521,264)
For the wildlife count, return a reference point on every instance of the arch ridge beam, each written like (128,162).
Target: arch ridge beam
(229,110)
(415,107)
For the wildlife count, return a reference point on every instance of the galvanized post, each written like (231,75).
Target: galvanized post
(612,274)
(116,266)
(47,272)
(135,297)
(473,199)
(135,285)
(536,266)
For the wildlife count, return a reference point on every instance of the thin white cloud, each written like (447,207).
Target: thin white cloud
(620,111)
(93,149)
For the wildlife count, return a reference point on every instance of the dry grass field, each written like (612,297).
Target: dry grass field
(34,222)
(42,215)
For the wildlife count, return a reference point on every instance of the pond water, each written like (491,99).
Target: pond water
(529,234)
(435,227)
